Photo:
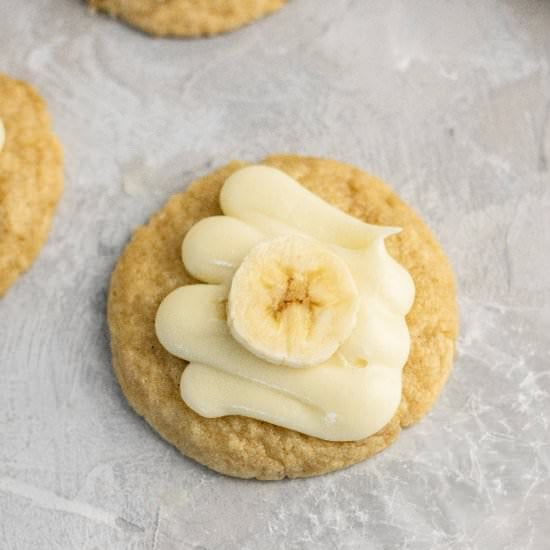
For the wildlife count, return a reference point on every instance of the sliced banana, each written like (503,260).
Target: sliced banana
(292,302)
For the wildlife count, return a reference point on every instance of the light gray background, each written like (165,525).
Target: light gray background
(447,100)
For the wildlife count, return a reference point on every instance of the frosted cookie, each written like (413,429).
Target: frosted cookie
(187,17)
(31,177)
(295,331)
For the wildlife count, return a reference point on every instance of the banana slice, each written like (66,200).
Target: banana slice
(292,302)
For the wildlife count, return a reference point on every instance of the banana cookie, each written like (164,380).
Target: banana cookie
(284,319)
(31,177)
(187,17)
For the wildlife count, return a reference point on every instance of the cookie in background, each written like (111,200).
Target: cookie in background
(187,18)
(31,177)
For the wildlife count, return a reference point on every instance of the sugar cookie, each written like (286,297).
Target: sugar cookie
(187,17)
(31,177)
(151,267)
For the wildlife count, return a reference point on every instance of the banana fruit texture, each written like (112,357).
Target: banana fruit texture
(292,302)
(301,320)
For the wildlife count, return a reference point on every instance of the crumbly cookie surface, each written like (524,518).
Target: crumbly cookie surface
(151,267)
(31,178)
(187,17)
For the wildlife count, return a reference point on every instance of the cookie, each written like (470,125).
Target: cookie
(151,267)
(187,17)
(31,178)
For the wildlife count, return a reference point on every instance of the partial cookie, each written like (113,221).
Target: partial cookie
(31,178)
(151,267)
(187,17)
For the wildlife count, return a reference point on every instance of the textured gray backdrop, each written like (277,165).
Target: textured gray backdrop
(449,102)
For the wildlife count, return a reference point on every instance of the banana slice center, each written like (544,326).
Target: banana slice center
(292,302)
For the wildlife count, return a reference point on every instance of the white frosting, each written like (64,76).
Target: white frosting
(350,396)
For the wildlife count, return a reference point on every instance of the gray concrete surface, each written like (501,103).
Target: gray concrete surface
(447,101)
